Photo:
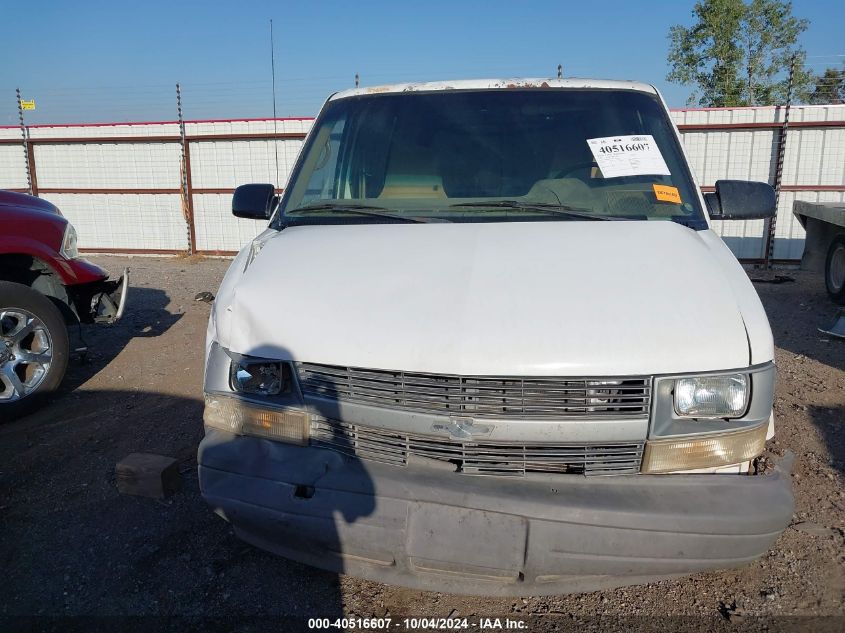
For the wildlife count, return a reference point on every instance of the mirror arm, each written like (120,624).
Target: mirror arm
(714,205)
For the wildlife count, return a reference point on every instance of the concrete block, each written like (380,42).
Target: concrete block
(148,475)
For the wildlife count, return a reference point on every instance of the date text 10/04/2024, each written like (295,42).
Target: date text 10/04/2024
(448,624)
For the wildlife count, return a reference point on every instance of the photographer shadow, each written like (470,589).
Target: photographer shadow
(308,505)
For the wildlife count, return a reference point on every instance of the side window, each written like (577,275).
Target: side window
(323,181)
(364,151)
(350,155)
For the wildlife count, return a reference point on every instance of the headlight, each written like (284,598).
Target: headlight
(712,396)
(69,249)
(244,418)
(259,377)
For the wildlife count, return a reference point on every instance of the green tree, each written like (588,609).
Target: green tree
(739,53)
(830,87)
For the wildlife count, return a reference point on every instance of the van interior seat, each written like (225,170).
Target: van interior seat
(493,164)
(411,173)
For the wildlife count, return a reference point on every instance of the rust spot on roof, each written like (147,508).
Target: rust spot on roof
(527,84)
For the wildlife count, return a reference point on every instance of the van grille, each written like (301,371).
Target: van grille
(476,458)
(480,396)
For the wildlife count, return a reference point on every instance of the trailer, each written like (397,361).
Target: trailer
(824,248)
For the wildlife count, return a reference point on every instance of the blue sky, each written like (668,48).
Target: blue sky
(120,61)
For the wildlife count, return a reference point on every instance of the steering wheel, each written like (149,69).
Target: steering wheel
(576,167)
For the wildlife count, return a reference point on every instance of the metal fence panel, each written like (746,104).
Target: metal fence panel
(815,157)
(217,229)
(125,222)
(108,165)
(219,164)
(12,167)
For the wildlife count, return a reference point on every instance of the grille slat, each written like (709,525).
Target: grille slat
(437,405)
(476,458)
(550,401)
(480,396)
(578,391)
(490,393)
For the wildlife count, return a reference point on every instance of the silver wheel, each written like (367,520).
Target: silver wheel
(26,351)
(836,269)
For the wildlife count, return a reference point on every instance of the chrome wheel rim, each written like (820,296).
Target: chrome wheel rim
(26,351)
(836,273)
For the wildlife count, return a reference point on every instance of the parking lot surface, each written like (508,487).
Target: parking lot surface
(72,545)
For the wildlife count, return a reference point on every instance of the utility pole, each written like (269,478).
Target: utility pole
(24,136)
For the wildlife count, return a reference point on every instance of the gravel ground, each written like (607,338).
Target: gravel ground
(72,546)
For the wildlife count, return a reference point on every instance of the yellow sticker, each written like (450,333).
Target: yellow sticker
(665,193)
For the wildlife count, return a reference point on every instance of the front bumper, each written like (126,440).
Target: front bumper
(424,528)
(102,301)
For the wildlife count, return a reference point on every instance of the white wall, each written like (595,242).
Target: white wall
(156,221)
(129,220)
(813,156)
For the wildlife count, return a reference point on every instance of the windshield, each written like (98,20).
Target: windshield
(492,156)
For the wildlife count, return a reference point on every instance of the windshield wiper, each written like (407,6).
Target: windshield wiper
(357,209)
(690,223)
(555,209)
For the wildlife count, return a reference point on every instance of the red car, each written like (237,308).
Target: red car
(44,287)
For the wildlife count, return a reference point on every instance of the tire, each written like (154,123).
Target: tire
(834,269)
(33,349)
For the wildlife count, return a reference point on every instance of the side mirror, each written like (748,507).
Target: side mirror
(741,200)
(255,202)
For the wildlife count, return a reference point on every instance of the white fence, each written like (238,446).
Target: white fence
(122,184)
(742,143)
(125,188)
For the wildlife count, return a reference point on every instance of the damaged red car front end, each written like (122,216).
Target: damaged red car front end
(44,287)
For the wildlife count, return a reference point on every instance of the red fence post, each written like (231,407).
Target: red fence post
(189,195)
(30,167)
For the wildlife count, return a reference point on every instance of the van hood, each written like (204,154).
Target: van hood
(540,298)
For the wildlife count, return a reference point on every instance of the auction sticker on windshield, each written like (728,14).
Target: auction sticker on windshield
(628,156)
(666,193)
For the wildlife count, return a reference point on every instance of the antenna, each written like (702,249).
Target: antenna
(275,123)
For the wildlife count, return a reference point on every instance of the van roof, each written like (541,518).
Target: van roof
(497,84)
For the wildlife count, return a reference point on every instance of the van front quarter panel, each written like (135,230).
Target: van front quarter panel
(489,344)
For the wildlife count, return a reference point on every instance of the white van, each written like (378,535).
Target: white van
(490,344)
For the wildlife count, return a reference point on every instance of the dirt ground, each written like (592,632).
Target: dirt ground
(72,546)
